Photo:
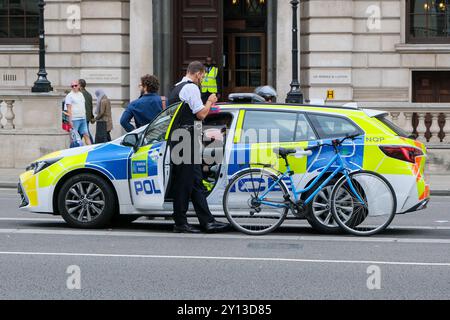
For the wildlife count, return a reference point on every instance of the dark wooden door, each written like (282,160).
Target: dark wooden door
(245,67)
(431,86)
(198,33)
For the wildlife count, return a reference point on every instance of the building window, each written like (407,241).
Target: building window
(431,86)
(428,21)
(19,21)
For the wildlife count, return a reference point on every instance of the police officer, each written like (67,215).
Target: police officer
(210,83)
(186,178)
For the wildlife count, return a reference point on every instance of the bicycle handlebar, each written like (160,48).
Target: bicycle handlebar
(335,143)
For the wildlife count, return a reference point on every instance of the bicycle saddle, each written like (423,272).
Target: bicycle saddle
(283,152)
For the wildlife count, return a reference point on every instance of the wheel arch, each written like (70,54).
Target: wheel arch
(73,173)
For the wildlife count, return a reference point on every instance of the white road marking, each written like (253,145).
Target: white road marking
(418,228)
(248,259)
(33,219)
(147,234)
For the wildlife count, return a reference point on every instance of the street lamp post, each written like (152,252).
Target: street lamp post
(295,95)
(42,84)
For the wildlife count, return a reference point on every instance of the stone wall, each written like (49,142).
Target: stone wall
(85,39)
(34,128)
(358,49)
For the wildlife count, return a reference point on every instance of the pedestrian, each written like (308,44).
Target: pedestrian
(268,93)
(103,118)
(88,105)
(164,102)
(65,125)
(210,83)
(186,178)
(145,109)
(76,110)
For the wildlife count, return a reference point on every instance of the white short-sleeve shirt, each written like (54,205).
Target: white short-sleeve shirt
(192,96)
(77,101)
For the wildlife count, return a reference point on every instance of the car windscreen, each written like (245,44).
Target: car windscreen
(399,131)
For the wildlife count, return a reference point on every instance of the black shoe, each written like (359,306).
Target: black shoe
(185,229)
(216,226)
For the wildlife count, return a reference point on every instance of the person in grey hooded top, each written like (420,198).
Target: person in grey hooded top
(103,118)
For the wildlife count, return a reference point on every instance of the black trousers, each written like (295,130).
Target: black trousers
(187,185)
(89,132)
(101,134)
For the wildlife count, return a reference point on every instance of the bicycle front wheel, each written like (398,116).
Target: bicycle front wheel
(377,209)
(249,205)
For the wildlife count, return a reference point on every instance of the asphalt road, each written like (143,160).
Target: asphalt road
(147,261)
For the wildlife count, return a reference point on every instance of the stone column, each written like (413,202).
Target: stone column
(10,116)
(395,116)
(421,128)
(409,122)
(1,116)
(141,43)
(435,129)
(447,128)
(284,49)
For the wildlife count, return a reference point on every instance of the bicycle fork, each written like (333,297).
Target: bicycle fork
(353,189)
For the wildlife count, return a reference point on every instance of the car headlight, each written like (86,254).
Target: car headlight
(38,166)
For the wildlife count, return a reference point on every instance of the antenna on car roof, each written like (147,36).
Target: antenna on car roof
(245,98)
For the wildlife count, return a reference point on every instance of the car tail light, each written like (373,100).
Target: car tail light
(408,154)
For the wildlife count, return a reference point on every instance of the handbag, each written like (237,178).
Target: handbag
(75,139)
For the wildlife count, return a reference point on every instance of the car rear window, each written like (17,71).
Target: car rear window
(388,123)
(330,127)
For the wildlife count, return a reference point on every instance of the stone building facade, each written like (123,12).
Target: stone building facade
(379,54)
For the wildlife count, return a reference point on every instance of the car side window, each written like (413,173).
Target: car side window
(157,130)
(268,126)
(330,127)
(304,131)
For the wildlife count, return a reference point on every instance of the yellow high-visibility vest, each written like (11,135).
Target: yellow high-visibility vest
(209,83)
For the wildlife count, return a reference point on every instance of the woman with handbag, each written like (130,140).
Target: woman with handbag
(103,118)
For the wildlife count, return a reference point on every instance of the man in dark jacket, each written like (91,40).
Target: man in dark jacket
(145,109)
(88,105)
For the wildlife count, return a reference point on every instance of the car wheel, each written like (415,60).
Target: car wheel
(87,201)
(318,211)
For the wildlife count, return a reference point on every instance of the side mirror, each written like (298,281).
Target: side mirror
(131,140)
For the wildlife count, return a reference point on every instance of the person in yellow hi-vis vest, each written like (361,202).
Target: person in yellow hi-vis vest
(210,83)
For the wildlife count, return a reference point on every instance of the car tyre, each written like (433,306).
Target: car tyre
(87,201)
(316,219)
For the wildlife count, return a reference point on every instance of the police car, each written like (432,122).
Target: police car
(93,186)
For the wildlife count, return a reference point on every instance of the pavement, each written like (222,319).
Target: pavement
(440,182)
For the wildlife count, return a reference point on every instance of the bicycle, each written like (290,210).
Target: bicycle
(257,200)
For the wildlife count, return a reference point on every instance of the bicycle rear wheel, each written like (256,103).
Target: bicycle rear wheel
(375,213)
(246,212)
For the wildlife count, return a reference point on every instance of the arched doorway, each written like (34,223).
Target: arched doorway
(245,45)
(238,34)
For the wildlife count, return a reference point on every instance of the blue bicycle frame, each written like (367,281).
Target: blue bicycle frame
(342,167)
